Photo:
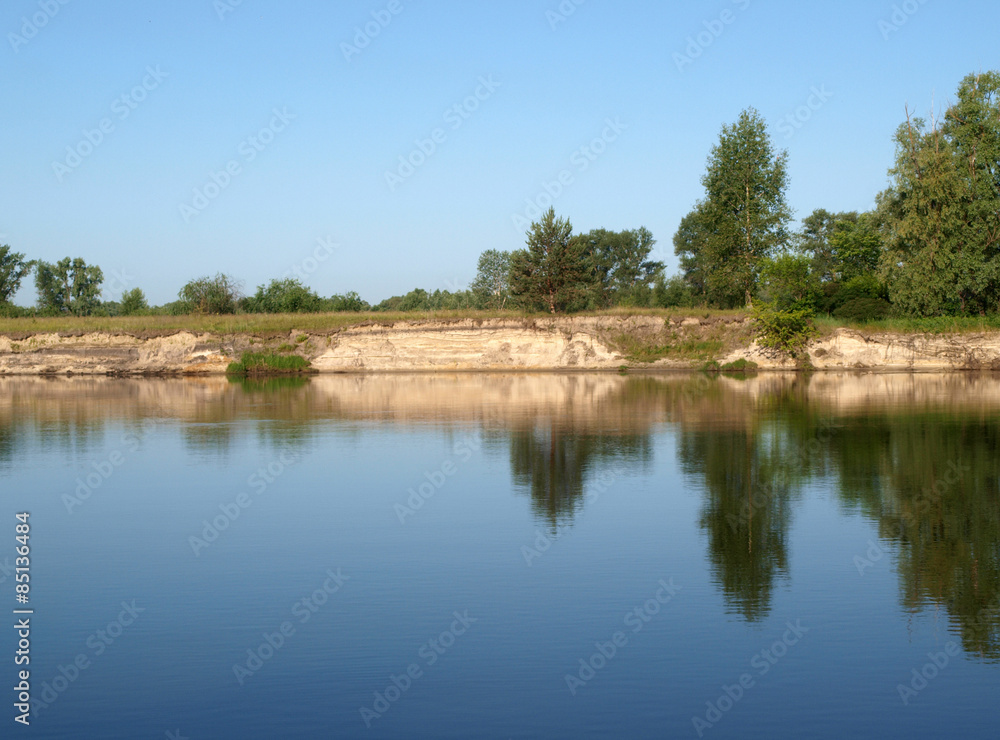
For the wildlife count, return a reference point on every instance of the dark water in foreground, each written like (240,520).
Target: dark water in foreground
(507,557)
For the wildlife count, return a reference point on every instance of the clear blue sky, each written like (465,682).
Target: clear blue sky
(324,173)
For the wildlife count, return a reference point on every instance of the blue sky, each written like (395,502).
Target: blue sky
(267,89)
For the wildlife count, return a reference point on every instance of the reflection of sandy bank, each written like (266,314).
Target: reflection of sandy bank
(586,402)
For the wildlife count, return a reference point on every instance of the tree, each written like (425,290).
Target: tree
(69,286)
(349,302)
(283,296)
(621,263)
(553,274)
(816,238)
(745,213)
(491,287)
(691,246)
(942,210)
(218,295)
(789,283)
(133,303)
(13,269)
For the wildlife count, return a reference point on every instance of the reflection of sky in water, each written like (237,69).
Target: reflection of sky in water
(549,507)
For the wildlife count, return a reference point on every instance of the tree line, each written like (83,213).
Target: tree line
(929,247)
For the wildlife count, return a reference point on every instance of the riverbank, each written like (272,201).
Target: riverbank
(579,343)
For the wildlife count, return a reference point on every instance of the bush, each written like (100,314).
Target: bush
(218,295)
(283,296)
(133,303)
(674,292)
(863,309)
(348,303)
(783,329)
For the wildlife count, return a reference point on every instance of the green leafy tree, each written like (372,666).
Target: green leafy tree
(13,270)
(816,240)
(691,246)
(621,264)
(744,214)
(218,295)
(553,274)
(69,286)
(133,303)
(347,303)
(283,296)
(942,211)
(789,282)
(491,288)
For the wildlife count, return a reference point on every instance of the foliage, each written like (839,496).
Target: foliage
(69,286)
(491,288)
(133,303)
(863,310)
(207,295)
(282,296)
(347,303)
(623,272)
(942,211)
(13,270)
(784,329)
(789,282)
(553,273)
(674,292)
(256,363)
(743,217)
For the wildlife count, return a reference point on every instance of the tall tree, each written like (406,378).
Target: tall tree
(13,270)
(492,284)
(69,286)
(745,211)
(553,273)
(942,211)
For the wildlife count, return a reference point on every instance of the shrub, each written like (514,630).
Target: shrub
(783,329)
(133,303)
(218,295)
(283,296)
(863,309)
(256,363)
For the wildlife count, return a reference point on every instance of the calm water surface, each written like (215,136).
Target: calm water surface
(507,556)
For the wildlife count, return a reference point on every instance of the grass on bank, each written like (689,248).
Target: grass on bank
(259,363)
(269,325)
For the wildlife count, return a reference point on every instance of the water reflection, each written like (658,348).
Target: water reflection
(918,456)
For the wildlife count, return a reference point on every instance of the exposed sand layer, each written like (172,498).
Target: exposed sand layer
(558,344)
